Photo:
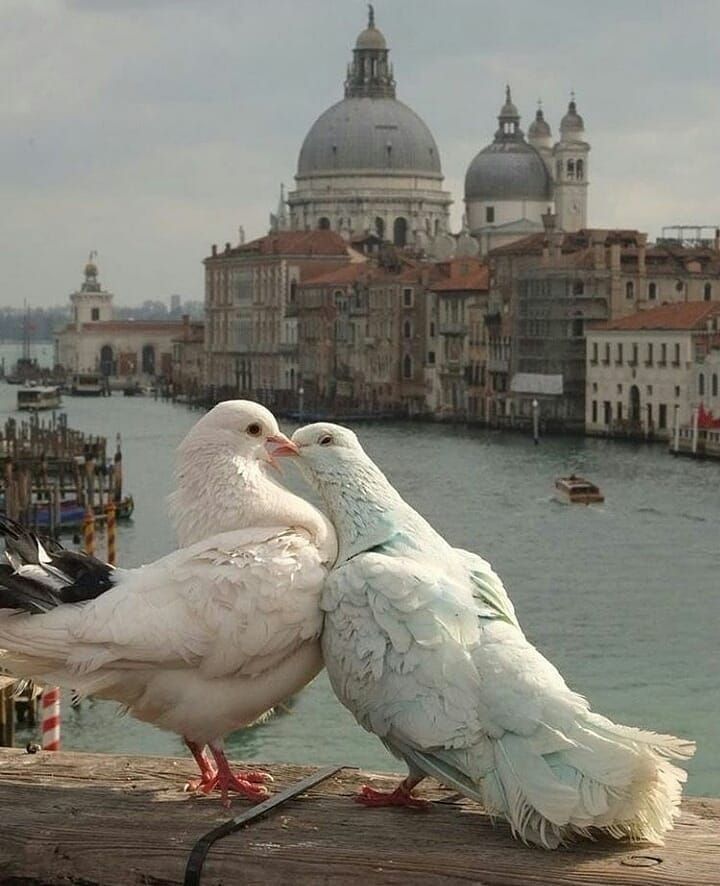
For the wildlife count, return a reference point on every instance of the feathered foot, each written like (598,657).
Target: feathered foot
(247,782)
(401,796)
(208,773)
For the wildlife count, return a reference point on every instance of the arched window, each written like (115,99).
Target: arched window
(400,232)
(106,360)
(701,384)
(571,169)
(579,169)
(707,293)
(407,366)
(407,329)
(324,223)
(629,289)
(652,290)
(380,228)
(714,384)
(148,359)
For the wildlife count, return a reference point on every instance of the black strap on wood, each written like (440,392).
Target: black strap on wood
(202,847)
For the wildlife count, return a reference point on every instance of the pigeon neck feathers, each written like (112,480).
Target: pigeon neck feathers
(367,511)
(220,491)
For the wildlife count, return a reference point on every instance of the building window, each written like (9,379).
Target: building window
(571,169)
(652,291)
(594,412)
(431,358)
(619,411)
(619,389)
(677,391)
(380,227)
(594,387)
(606,361)
(293,291)
(400,232)
(432,329)
(577,327)
(649,415)
(714,385)
(407,298)
(649,361)
(407,366)
(649,390)
(407,329)
(579,169)
(607,408)
(663,355)
(489,214)
(634,361)
(701,384)
(95,313)
(619,359)
(662,418)
(676,361)
(629,289)
(324,223)
(594,358)
(707,292)
(578,287)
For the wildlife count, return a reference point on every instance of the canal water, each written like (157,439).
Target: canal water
(624,598)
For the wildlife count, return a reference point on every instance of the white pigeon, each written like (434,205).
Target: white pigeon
(422,645)
(205,640)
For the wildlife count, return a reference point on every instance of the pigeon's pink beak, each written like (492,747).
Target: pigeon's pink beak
(278,445)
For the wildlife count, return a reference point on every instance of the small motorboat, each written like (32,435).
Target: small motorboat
(574,490)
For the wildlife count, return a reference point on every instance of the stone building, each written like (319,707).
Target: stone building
(643,370)
(547,287)
(369,164)
(121,350)
(513,182)
(188,358)
(251,318)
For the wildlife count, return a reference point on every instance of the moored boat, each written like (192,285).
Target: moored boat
(577,490)
(35,398)
(88,384)
(72,512)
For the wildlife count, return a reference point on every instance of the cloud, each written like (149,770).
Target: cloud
(149,129)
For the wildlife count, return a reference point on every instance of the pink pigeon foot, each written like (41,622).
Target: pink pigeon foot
(248,783)
(208,773)
(401,796)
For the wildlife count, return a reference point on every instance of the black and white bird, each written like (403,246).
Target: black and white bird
(204,640)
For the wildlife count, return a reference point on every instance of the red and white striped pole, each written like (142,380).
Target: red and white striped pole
(51,719)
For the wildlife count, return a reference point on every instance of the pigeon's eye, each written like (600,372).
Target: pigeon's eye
(254,429)
(326,440)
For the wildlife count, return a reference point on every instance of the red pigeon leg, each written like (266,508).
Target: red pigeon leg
(246,782)
(401,796)
(208,773)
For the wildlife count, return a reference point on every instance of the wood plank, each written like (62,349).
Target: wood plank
(118,820)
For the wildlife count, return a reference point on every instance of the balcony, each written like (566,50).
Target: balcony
(498,364)
(452,328)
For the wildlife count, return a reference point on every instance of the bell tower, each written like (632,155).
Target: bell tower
(91,304)
(570,155)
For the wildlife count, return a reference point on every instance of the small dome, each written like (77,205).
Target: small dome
(371,38)
(572,122)
(539,128)
(360,133)
(508,170)
(91,269)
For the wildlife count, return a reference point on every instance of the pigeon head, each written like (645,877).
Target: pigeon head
(247,429)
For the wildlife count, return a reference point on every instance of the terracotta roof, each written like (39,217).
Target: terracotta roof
(532,244)
(348,273)
(290,243)
(684,316)
(461,275)
(309,270)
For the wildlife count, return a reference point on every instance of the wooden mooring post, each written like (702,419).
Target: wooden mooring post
(121,821)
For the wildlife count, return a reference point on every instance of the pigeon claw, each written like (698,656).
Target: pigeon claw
(401,796)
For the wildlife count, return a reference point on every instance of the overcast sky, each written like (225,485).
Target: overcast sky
(149,129)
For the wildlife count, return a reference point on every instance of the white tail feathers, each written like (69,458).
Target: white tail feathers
(603,779)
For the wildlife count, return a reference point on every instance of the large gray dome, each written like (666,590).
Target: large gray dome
(374,134)
(508,170)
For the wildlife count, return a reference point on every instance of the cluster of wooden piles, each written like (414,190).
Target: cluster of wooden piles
(51,475)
